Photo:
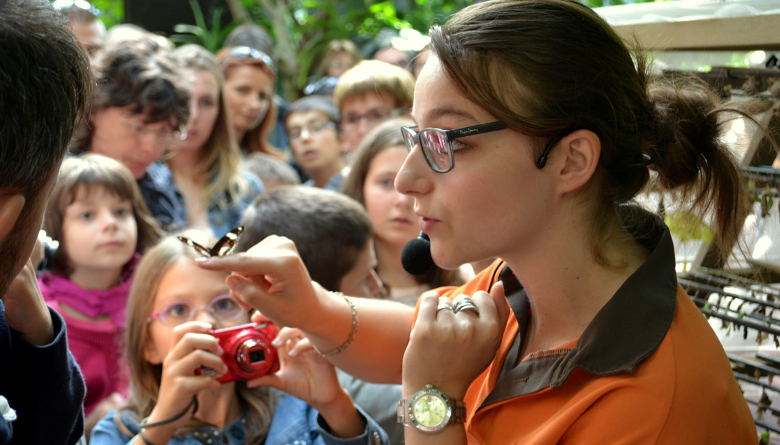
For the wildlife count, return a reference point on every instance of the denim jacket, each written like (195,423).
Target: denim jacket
(224,220)
(294,422)
(159,192)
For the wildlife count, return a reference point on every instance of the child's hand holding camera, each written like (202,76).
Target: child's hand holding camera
(313,379)
(192,349)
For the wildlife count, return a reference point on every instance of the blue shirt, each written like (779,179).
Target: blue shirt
(294,422)
(224,219)
(159,192)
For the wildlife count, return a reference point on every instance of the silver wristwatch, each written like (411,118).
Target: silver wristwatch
(429,410)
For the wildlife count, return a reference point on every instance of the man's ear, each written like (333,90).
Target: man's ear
(580,152)
(150,352)
(11,205)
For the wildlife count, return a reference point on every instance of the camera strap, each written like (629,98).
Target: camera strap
(194,405)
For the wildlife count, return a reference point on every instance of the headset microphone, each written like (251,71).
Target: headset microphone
(416,256)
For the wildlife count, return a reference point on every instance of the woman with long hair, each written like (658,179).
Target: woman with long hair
(536,126)
(250,76)
(206,167)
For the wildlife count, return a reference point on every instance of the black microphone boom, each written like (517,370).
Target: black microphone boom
(416,256)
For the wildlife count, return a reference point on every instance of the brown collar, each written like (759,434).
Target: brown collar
(624,332)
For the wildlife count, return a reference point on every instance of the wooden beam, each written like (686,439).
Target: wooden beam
(760,32)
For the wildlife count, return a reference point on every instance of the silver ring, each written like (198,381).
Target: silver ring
(444,306)
(466,304)
(463,301)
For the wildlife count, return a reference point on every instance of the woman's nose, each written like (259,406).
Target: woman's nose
(414,176)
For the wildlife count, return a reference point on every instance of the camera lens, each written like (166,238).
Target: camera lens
(257,356)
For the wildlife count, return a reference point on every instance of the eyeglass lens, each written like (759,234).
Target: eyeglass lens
(436,149)
(222,308)
(434,145)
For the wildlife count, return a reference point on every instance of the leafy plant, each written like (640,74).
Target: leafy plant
(210,38)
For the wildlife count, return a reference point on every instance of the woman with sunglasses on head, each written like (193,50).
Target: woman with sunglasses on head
(139,110)
(206,167)
(250,76)
(171,309)
(537,126)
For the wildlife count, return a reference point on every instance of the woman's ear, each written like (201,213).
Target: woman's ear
(11,205)
(580,152)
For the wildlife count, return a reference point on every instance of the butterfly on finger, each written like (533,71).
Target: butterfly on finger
(225,246)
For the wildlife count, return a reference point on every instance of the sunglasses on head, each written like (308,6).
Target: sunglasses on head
(246,53)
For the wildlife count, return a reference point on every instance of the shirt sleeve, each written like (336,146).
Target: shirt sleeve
(44,382)
(107,433)
(372,435)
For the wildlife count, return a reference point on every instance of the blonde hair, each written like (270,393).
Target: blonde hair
(87,172)
(257,403)
(219,160)
(373,76)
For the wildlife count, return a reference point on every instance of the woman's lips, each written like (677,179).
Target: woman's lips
(427,224)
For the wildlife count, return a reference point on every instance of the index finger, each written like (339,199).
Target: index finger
(262,258)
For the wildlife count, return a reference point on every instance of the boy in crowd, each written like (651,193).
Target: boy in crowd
(44,90)
(333,235)
(273,172)
(369,94)
(312,127)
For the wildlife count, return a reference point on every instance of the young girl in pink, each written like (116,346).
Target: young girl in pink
(98,215)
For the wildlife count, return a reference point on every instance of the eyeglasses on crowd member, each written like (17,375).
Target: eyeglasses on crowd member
(315,141)
(369,94)
(139,110)
(536,126)
(172,306)
(45,87)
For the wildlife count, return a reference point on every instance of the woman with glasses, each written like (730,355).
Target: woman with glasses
(139,110)
(536,126)
(315,142)
(250,77)
(206,167)
(172,306)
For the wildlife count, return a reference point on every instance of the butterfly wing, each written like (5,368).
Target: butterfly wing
(198,248)
(227,244)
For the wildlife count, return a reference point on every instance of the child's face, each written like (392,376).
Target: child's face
(361,113)
(99,231)
(186,283)
(314,141)
(391,213)
(362,280)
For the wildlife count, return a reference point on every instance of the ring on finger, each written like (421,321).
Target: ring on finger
(463,301)
(467,306)
(444,306)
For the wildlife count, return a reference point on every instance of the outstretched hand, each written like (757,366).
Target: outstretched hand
(272,278)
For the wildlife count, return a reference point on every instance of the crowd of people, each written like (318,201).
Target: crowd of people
(551,314)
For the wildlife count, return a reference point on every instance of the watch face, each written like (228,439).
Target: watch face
(429,410)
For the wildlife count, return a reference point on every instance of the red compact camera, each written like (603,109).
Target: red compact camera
(248,352)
